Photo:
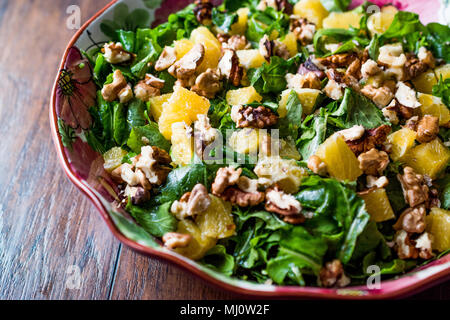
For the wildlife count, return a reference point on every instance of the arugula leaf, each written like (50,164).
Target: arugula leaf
(120,125)
(218,109)
(223,20)
(314,130)
(150,132)
(127,39)
(356,109)
(218,259)
(264,22)
(106,115)
(336,5)
(101,70)
(444,188)
(136,113)
(157,221)
(442,90)
(438,38)
(290,124)
(403,24)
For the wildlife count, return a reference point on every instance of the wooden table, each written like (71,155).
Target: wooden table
(48,230)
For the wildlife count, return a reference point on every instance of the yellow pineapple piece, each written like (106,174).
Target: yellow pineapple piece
(212,48)
(113,158)
(182,47)
(156,105)
(200,243)
(289,150)
(379,22)
(290,40)
(433,106)
(342,20)
(245,141)
(183,106)
(428,158)
(284,172)
(306,96)
(241,25)
(378,205)
(402,141)
(217,221)
(438,225)
(313,10)
(425,82)
(251,58)
(443,71)
(243,96)
(182,144)
(341,162)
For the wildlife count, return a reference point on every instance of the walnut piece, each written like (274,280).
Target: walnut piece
(148,88)
(303,29)
(285,205)
(167,58)
(184,69)
(398,109)
(392,55)
(404,246)
(332,275)
(380,96)
(413,67)
(412,220)
(192,203)
(307,80)
(406,96)
(207,84)
(372,138)
(114,53)
(242,198)
(173,240)
(426,57)
(333,90)
(236,42)
(373,162)
(204,134)
(424,245)
(316,165)
(225,177)
(353,133)
(339,60)
(137,194)
(117,89)
(427,128)
(376,182)
(279,5)
(230,68)
(415,189)
(309,66)
(259,117)
(203,11)
(370,68)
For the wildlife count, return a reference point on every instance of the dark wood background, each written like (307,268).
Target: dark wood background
(46,225)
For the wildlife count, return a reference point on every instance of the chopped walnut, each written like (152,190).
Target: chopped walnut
(281,50)
(303,29)
(279,5)
(148,88)
(167,58)
(242,198)
(424,245)
(390,115)
(406,96)
(203,11)
(427,128)
(344,79)
(404,246)
(414,187)
(332,275)
(376,182)
(153,163)
(173,240)
(392,55)
(308,80)
(230,68)
(236,42)
(370,68)
(309,66)
(412,123)
(137,194)
(259,117)
(266,47)
(373,162)
(353,133)
(225,177)
(283,204)
(184,69)
(425,56)
(380,96)
(119,88)
(207,84)
(192,203)
(399,110)
(372,138)
(412,220)
(339,60)
(204,134)
(316,165)
(413,67)
(114,53)
(333,90)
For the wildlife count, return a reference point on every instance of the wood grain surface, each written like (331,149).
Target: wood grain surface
(53,244)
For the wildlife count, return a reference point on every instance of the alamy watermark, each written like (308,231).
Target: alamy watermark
(73,22)
(73,281)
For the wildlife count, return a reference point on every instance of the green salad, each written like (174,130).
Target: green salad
(285,142)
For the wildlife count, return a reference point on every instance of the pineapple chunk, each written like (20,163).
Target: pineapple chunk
(433,106)
(313,10)
(243,96)
(245,141)
(378,205)
(306,96)
(241,25)
(379,22)
(217,221)
(155,105)
(113,158)
(425,82)
(402,141)
(200,243)
(183,106)
(289,150)
(342,20)
(182,47)
(428,158)
(182,144)
(212,48)
(341,162)
(290,40)
(251,58)
(284,172)
(438,225)
(443,71)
